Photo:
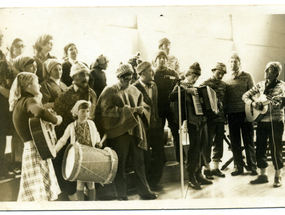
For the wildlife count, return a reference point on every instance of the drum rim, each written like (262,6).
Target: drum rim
(74,173)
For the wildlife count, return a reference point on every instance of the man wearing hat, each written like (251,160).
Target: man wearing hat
(216,125)
(164,45)
(155,160)
(237,84)
(196,126)
(97,71)
(123,116)
(164,88)
(271,125)
(79,90)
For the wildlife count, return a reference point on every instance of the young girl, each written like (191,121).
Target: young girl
(38,182)
(82,131)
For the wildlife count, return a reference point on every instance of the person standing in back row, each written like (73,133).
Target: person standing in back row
(239,82)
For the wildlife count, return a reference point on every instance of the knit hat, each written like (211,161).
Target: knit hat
(220,66)
(49,64)
(163,41)
(143,66)
(277,65)
(124,69)
(75,110)
(21,61)
(161,53)
(195,68)
(77,68)
(67,47)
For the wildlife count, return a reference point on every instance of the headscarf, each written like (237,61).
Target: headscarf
(21,61)
(75,110)
(48,65)
(21,81)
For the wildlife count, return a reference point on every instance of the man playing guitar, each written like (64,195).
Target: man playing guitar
(271,125)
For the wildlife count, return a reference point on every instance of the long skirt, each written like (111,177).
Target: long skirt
(38,181)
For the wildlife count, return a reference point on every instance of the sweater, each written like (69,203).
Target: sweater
(235,88)
(51,90)
(276,112)
(164,88)
(27,107)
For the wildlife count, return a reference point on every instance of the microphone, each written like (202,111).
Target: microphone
(169,77)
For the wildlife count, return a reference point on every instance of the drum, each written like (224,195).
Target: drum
(86,163)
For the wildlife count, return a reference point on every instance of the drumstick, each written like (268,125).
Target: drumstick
(103,140)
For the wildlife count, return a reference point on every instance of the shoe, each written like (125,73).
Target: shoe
(194,184)
(122,198)
(202,180)
(208,174)
(156,187)
(261,179)
(9,174)
(218,173)
(73,197)
(277,182)
(149,196)
(253,172)
(237,172)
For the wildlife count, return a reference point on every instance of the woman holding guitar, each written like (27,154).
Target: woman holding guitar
(271,125)
(38,182)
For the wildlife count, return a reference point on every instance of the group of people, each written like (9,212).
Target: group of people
(132,114)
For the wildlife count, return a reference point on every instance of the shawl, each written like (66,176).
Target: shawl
(116,113)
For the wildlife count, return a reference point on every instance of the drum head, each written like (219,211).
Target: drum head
(70,159)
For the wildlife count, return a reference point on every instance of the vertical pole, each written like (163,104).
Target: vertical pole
(180,141)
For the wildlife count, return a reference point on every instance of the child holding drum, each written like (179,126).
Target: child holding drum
(81,131)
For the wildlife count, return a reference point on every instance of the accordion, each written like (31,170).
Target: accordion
(205,103)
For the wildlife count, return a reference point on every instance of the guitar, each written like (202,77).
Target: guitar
(255,115)
(44,136)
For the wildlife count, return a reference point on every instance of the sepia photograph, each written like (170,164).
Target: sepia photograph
(151,106)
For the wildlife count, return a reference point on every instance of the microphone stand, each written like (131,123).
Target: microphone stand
(180,138)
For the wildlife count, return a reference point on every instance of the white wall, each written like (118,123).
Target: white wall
(202,34)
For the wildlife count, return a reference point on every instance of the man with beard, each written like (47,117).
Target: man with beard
(164,88)
(79,90)
(123,115)
(155,160)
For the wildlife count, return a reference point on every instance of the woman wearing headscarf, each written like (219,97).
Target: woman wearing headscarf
(52,86)
(25,63)
(43,46)
(70,58)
